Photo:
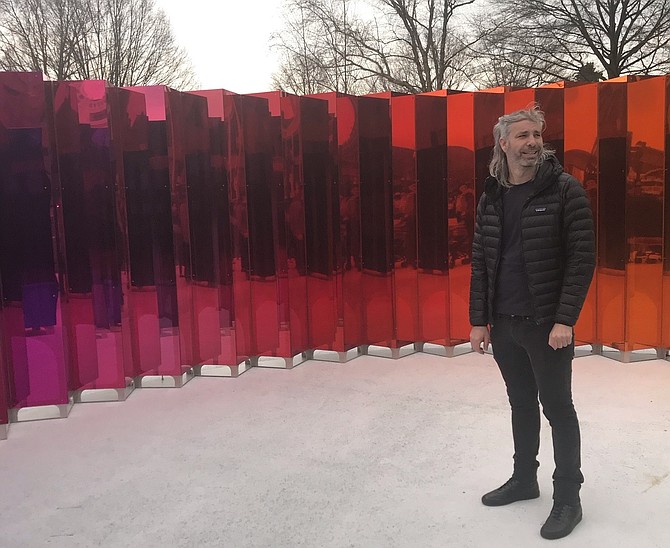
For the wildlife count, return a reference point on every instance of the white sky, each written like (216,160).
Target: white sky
(227,40)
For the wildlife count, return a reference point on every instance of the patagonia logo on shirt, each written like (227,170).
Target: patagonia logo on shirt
(540,209)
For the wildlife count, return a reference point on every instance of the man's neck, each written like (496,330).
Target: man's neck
(522,175)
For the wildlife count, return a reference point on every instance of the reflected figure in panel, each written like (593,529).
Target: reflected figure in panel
(533,258)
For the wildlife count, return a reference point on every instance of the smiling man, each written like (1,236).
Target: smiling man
(532,262)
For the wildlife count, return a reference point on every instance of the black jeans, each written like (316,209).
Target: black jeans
(530,367)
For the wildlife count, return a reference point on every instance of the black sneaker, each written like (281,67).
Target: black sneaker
(561,521)
(511,491)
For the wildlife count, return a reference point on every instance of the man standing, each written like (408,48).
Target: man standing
(532,262)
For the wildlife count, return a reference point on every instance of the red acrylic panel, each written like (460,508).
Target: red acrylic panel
(376,205)
(611,245)
(31,268)
(432,199)
(581,161)
(160,296)
(321,219)
(351,305)
(665,320)
(645,180)
(93,212)
(405,179)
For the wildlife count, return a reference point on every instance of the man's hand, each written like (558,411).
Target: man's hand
(560,336)
(480,338)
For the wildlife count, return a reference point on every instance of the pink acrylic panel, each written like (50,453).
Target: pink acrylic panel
(93,212)
(159,298)
(376,205)
(32,329)
(239,113)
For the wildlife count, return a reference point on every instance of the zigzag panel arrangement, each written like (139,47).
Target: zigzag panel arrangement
(146,232)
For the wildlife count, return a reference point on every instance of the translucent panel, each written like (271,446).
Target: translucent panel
(93,212)
(644,212)
(405,179)
(612,152)
(32,326)
(376,202)
(581,161)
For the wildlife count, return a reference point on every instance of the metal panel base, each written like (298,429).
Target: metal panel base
(278,362)
(4,429)
(335,356)
(94,395)
(583,350)
(164,381)
(386,352)
(40,412)
(446,351)
(631,356)
(213,370)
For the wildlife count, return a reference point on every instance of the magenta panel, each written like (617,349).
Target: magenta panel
(31,272)
(376,204)
(93,212)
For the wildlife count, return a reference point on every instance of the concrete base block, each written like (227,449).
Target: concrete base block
(386,352)
(221,370)
(4,429)
(40,412)
(104,394)
(631,356)
(278,362)
(164,381)
(447,351)
(335,356)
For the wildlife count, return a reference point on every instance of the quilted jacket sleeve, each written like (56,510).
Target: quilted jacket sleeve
(479,278)
(579,248)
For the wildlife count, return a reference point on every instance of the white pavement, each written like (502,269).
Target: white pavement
(372,453)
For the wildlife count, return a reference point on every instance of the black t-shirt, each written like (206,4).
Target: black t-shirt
(512,295)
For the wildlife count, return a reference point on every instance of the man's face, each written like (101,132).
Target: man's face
(523,144)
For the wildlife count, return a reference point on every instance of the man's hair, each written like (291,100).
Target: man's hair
(498,166)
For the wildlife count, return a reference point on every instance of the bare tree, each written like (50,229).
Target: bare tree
(403,45)
(616,36)
(126,42)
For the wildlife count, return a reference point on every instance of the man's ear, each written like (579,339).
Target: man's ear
(503,144)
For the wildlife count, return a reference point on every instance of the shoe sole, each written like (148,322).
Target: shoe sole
(495,503)
(554,536)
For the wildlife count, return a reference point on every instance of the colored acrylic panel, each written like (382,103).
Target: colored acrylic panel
(376,202)
(95,238)
(405,179)
(32,329)
(644,212)
(612,153)
(581,161)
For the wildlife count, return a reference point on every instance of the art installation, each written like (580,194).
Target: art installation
(147,234)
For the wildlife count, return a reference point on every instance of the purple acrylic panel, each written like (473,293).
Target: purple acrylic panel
(31,273)
(96,308)
(404,127)
(376,206)
(581,161)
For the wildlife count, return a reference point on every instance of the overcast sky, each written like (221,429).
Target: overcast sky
(227,40)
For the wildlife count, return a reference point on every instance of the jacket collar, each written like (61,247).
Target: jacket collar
(547,173)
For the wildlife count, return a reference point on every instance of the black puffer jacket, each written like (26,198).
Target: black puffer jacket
(558,247)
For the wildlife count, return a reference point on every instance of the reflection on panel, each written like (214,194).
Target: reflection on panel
(581,161)
(32,327)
